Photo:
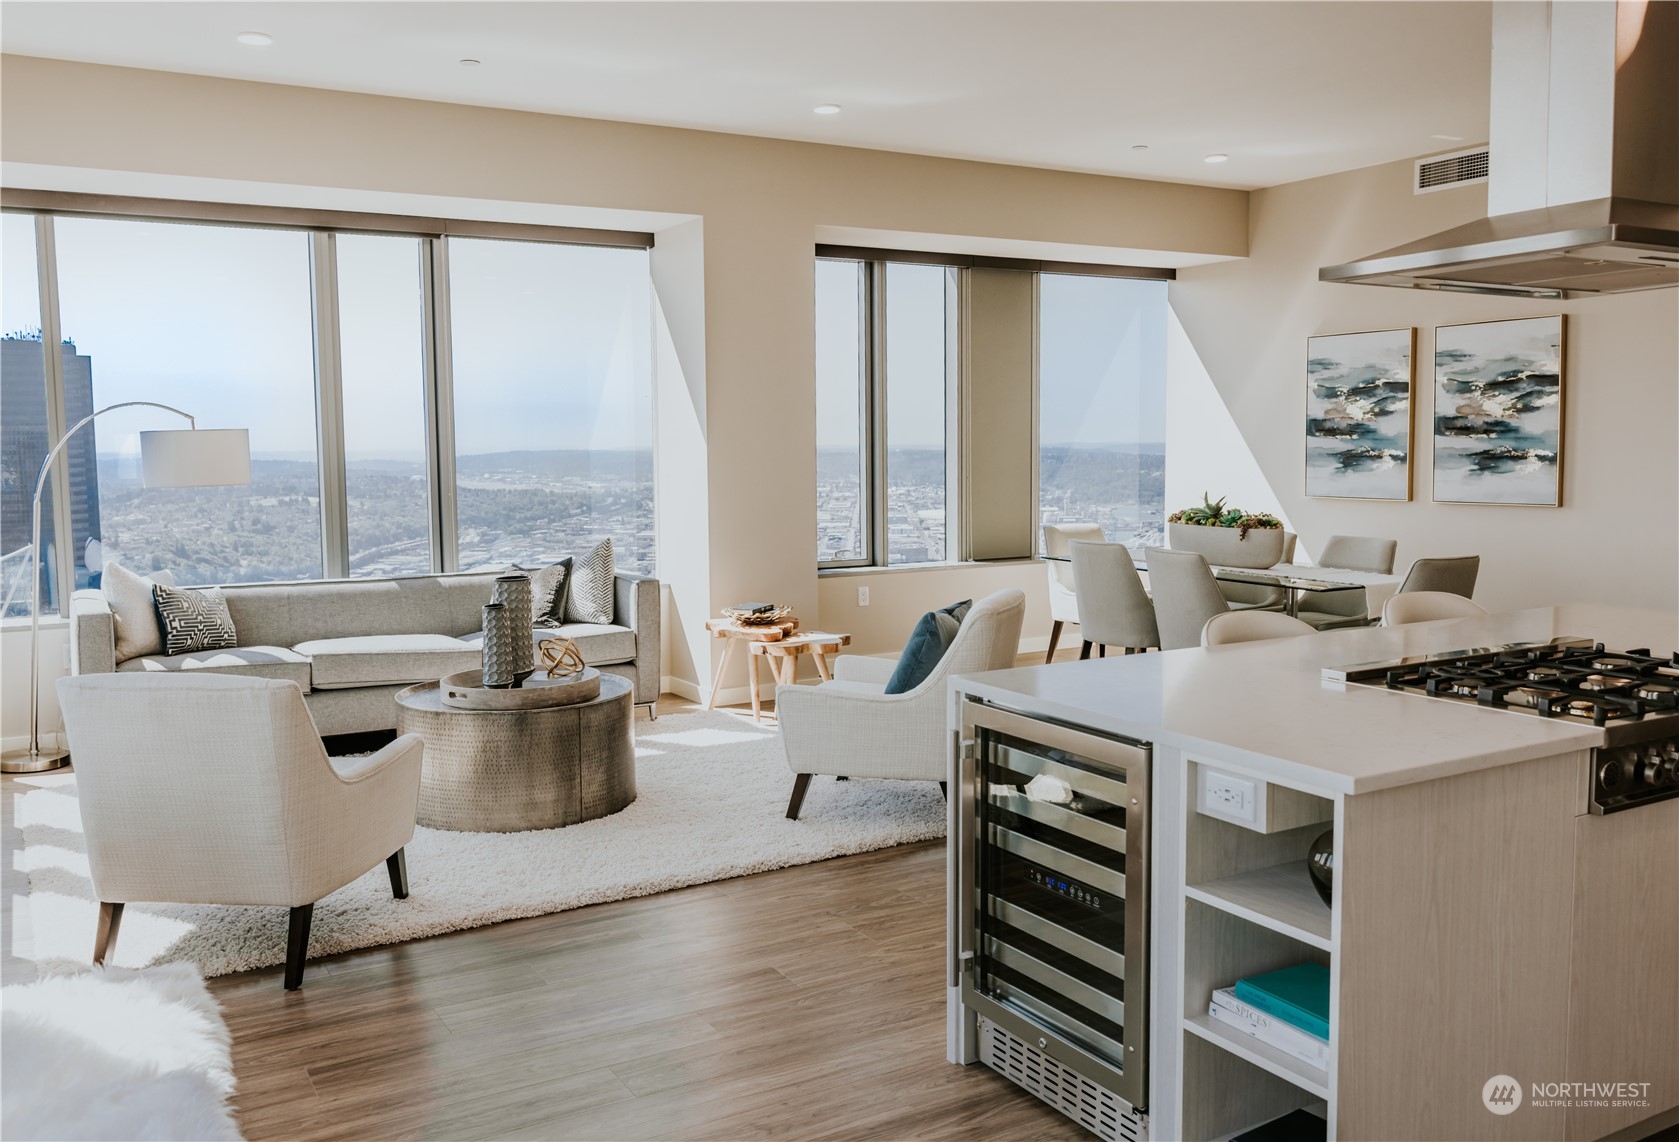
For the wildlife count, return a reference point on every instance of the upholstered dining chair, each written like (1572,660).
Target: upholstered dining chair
(1455,574)
(1347,608)
(1426,606)
(850,727)
(1251,626)
(1185,595)
(1063,596)
(1115,609)
(1253,596)
(215,789)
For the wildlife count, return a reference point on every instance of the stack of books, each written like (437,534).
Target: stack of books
(1289,1009)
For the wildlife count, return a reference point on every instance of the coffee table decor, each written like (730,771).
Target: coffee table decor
(466,691)
(757,615)
(501,638)
(513,591)
(560,656)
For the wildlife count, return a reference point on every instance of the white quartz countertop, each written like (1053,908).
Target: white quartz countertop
(1266,707)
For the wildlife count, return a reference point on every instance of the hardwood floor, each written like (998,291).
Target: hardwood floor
(805,1003)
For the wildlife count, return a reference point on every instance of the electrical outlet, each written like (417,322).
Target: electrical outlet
(862,596)
(1225,795)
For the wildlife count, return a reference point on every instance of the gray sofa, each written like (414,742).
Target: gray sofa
(351,644)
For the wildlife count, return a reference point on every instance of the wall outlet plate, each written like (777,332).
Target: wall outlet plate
(862,596)
(1229,797)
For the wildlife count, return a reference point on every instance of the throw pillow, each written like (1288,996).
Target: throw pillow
(932,636)
(133,614)
(548,593)
(590,594)
(193,620)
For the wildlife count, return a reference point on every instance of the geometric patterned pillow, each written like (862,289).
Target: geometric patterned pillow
(193,620)
(590,596)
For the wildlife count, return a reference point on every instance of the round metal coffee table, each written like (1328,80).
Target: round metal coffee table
(503,771)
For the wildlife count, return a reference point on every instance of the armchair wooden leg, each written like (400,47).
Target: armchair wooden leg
(1084,650)
(944,791)
(801,782)
(105,938)
(1102,650)
(397,865)
(1054,637)
(297,944)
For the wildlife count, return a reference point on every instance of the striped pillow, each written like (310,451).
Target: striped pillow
(591,591)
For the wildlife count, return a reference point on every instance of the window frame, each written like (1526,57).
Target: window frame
(321,227)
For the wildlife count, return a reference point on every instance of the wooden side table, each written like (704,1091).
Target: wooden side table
(778,643)
(732,632)
(783,655)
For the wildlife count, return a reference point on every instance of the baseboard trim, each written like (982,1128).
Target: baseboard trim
(728,696)
(52,740)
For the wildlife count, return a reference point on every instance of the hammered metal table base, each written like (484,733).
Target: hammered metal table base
(505,771)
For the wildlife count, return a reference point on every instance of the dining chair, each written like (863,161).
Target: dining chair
(1063,599)
(1454,574)
(1113,607)
(1426,606)
(1326,610)
(1185,595)
(1251,626)
(1252,596)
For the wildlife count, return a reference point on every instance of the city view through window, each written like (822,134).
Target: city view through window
(553,401)
(1101,414)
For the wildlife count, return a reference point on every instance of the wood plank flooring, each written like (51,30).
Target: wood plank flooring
(806,1003)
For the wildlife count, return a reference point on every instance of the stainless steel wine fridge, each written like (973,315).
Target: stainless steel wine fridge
(1051,883)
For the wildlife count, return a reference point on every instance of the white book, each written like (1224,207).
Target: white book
(1306,1047)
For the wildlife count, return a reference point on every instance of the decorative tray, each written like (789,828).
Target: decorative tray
(466,691)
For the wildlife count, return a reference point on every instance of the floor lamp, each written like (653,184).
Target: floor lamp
(177,458)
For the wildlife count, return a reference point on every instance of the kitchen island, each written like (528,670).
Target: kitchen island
(1485,922)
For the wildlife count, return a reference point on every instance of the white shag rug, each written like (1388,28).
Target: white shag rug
(116,1054)
(711,802)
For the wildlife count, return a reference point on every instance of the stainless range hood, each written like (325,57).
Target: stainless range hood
(1583,187)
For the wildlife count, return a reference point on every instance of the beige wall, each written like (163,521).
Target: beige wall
(1615,540)
(744,341)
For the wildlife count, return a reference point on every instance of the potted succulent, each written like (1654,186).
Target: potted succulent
(1229,537)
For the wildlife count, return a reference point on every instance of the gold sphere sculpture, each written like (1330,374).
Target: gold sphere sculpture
(560,656)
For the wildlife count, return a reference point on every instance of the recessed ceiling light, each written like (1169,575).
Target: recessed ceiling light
(828,109)
(1216,158)
(1139,146)
(470,62)
(255,39)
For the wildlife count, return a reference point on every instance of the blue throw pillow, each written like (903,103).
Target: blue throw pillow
(932,636)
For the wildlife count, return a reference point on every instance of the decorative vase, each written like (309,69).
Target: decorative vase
(502,638)
(513,591)
(1225,547)
(1320,862)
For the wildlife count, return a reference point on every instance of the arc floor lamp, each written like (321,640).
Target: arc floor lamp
(190,457)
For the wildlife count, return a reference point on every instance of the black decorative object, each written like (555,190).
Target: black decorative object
(513,591)
(1320,862)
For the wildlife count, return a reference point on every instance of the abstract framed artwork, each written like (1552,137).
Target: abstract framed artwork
(1498,389)
(1358,414)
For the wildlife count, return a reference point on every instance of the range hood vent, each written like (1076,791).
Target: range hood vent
(1582,172)
(1456,169)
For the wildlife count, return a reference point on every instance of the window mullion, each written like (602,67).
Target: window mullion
(440,407)
(329,408)
(876,323)
(52,364)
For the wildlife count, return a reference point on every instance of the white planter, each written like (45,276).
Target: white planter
(1225,547)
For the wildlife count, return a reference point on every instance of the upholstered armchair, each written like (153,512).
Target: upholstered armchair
(215,789)
(851,728)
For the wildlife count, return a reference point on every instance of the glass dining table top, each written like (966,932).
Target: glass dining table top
(1263,577)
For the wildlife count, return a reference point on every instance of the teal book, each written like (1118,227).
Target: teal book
(1299,996)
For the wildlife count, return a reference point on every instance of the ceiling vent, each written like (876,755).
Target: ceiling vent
(1460,168)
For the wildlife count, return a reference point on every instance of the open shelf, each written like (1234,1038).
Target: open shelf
(1280,898)
(1285,1066)
(1320,1108)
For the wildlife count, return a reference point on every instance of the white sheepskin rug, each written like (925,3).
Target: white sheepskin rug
(115,1054)
(711,802)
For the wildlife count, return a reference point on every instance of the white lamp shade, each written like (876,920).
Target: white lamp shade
(195,457)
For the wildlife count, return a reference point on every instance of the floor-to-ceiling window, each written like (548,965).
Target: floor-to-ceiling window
(1101,405)
(842,413)
(553,401)
(24,434)
(215,321)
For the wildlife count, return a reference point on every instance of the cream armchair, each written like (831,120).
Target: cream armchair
(215,789)
(851,728)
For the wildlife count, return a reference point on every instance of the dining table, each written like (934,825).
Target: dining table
(1301,579)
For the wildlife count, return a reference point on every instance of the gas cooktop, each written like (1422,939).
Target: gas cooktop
(1632,694)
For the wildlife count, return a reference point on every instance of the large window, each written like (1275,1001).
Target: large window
(1101,405)
(553,401)
(416,403)
(214,321)
(884,357)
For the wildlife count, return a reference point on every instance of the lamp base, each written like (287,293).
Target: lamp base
(33,761)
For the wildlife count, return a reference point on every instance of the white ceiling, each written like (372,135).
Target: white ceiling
(1288,90)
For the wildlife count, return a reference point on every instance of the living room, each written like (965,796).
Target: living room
(506,281)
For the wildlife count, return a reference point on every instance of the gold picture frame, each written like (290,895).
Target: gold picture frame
(1501,440)
(1357,383)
